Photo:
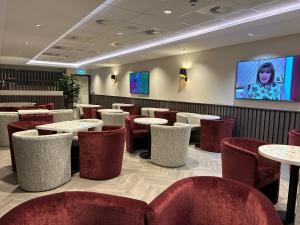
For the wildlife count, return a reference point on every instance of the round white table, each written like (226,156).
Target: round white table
(149,122)
(118,105)
(148,111)
(290,155)
(110,110)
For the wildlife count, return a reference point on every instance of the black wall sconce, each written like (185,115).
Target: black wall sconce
(183,74)
(114,78)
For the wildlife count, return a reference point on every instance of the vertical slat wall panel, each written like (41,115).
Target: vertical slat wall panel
(263,124)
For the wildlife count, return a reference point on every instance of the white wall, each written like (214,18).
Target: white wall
(211,74)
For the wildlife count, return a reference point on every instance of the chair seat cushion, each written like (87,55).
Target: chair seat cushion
(140,133)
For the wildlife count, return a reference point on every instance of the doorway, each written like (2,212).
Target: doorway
(84,96)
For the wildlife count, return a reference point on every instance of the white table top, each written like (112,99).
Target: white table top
(110,110)
(118,105)
(281,153)
(87,105)
(155,109)
(150,121)
(205,117)
(71,126)
(33,111)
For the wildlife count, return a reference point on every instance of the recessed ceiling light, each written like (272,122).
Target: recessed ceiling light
(119,33)
(250,35)
(26,42)
(39,25)
(168,12)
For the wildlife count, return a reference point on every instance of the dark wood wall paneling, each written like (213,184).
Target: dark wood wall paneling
(25,79)
(21,79)
(262,124)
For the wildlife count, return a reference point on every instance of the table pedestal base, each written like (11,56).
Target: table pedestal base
(145,155)
(282,215)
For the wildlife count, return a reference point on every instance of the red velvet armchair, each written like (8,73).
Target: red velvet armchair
(211,201)
(133,110)
(168,115)
(37,117)
(101,152)
(20,126)
(136,135)
(77,208)
(213,131)
(242,162)
(294,137)
(88,112)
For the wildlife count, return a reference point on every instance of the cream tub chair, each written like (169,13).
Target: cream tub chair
(43,162)
(169,144)
(5,119)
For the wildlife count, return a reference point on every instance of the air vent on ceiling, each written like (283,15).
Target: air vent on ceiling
(132,27)
(101,22)
(152,31)
(51,54)
(220,10)
(58,47)
(73,37)
(115,44)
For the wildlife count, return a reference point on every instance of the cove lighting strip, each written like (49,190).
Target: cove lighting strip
(175,38)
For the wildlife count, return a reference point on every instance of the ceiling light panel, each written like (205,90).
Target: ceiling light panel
(134,23)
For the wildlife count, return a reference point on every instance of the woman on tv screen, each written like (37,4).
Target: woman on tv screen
(265,86)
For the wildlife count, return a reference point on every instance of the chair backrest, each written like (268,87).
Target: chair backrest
(182,117)
(116,119)
(169,144)
(64,209)
(211,201)
(222,127)
(60,115)
(40,158)
(37,117)
(243,152)
(133,110)
(5,119)
(168,115)
(294,137)
(101,152)
(88,111)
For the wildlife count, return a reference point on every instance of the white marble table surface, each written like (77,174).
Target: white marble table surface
(150,121)
(72,126)
(281,153)
(87,105)
(118,105)
(33,111)
(110,110)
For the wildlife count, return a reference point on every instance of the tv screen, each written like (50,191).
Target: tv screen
(139,83)
(269,79)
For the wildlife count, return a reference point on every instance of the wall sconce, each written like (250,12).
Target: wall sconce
(114,78)
(183,74)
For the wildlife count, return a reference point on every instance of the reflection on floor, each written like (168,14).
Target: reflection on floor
(140,179)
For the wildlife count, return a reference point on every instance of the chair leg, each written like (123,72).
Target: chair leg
(271,191)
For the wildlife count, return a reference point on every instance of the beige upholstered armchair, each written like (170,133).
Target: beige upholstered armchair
(6,118)
(43,162)
(169,144)
(114,119)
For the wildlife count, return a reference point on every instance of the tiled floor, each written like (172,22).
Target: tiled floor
(140,179)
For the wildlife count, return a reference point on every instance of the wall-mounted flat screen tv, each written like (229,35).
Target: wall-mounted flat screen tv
(276,79)
(139,82)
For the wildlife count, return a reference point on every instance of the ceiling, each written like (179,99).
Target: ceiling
(119,25)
